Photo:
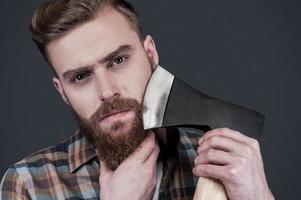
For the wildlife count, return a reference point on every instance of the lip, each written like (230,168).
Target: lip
(112,113)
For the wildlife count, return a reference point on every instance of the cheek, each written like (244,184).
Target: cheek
(83,103)
(137,82)
(137,75)
(143,82)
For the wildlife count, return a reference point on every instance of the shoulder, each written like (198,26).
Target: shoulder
(38,162)
(18,179)
(55,155)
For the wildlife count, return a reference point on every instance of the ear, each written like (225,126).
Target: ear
(150,49)
(58,86)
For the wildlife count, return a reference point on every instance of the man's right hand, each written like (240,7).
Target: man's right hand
(135,177)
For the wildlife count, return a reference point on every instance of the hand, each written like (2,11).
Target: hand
(135,177)
(234,159)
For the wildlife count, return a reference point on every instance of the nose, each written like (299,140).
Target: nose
(107,88)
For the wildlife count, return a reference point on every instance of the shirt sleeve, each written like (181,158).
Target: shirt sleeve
(12,187)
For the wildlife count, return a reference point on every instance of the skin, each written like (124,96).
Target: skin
(126,75)
(235,159)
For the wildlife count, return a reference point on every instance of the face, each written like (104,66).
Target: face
(100,62)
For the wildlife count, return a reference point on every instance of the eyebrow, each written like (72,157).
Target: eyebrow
(70,73)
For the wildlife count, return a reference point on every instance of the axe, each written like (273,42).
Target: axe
(171,102)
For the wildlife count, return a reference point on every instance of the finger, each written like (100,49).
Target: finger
(222,143)
(152,159)
(226,132)
(213,156)
(144,150)
(212,171)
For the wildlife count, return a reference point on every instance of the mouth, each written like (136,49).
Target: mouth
(113,116)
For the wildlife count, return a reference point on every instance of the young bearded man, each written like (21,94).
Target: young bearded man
(102,65)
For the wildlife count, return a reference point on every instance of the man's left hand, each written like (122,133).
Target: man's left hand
(236,161)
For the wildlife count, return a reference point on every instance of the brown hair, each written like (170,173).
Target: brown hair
(56,17)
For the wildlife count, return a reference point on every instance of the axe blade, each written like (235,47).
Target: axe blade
(171,102)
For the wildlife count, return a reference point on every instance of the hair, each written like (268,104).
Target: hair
(56,18)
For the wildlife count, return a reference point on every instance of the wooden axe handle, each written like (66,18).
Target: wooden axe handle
(209,189)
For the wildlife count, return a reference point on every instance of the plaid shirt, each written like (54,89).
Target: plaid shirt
(70,170)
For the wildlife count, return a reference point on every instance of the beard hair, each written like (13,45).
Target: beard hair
(115,144)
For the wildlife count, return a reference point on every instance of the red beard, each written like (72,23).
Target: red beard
(114,145)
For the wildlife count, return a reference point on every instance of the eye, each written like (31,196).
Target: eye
(119,60)
(81,76)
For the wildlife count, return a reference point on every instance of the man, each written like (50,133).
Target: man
(102,65)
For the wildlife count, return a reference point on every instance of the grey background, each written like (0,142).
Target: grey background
(247,52)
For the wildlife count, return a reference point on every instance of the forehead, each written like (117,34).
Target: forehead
(91,40)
